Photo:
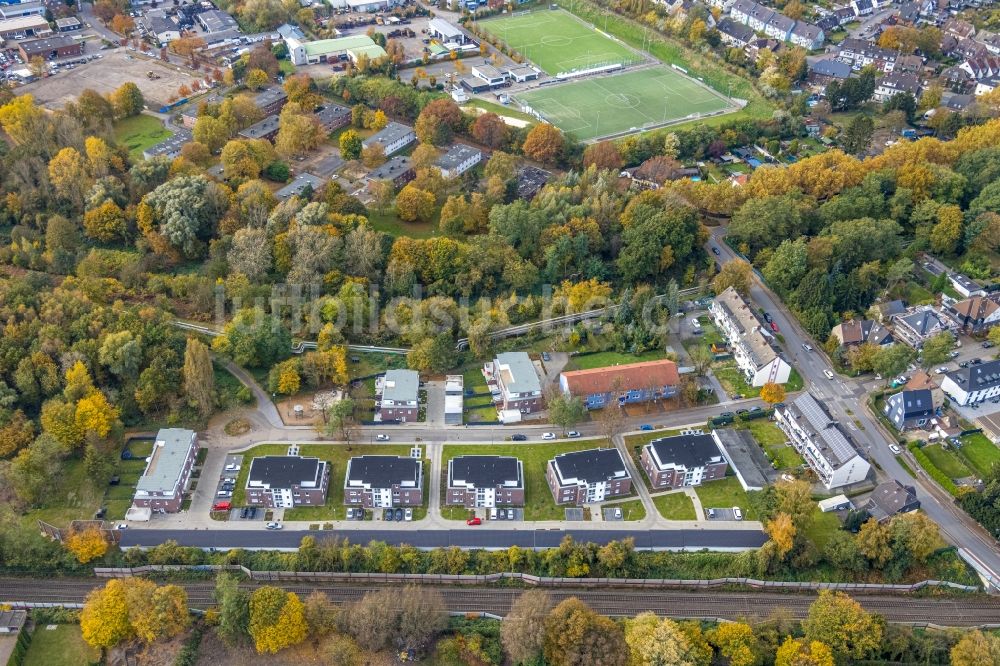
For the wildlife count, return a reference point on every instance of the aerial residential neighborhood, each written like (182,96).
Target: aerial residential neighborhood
(462,332)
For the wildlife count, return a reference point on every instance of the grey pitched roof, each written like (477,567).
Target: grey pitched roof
(687,451)
(914,404)
(977,377)
(485,471)
(890,498)
(728,26)
(383,471)
(590,466)
(830,439)
(284,471)
(834,68)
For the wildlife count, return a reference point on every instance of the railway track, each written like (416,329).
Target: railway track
(957,611)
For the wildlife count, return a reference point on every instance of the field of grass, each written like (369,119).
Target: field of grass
(62,646)
(947,461)
(821,527)
(604,106)
(373,363)
(609,358)
(724,494)
(774,441)
(675,506)
(631,510)
(538,502)
(733,379)
(139,133)
(389,223)
(981,453)
(557,41)
(500,110)
(337,455)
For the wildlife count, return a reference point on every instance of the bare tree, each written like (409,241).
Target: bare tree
(523,630)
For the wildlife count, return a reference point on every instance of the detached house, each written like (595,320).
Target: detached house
(514,383)
(973,384)
(918,324)
(975,315)
(397,395)
(895,83)
(891,498)
(907,410)
(858,332)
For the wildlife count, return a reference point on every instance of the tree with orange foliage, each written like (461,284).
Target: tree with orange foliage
(603,155)
(544,143)
(86,544)
(772,393)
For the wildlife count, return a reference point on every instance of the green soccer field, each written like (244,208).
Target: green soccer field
(558,42)
(608,105)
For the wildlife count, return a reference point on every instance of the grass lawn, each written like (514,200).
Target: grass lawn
(373,363)
(139,133)
(538,502)
(724,494)
(732,379)
(822,527)
(774,442)
(609,358)
(675,506)
(337,455)
(597,107)
(62,646)
(72,496)
(500,110)
(389,223)
(631,510)
(286,67)
(981,453)
(947,461)
(557,41)
(642,438)
(473,380)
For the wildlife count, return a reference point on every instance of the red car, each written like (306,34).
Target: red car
(474,521)
(222,506)
(774,327)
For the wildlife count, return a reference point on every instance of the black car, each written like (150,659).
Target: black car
(518,438)
(359,514)
(726,415)
(742,411)
(767,316)
(253,512)
(715,251)
(387,515)
(987,344)
(975,361)
(546,357)
(244,512)
(399,515)
(963,364)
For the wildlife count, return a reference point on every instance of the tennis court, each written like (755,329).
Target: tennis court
(557,41)
(607,105)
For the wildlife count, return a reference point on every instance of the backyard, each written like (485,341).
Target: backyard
(335,454)
(139,133)
(62,645)
(724,494)
(773,441)
(479,407)
(538,502)
(947,461)
(609,358)
(675,506)
(980,452)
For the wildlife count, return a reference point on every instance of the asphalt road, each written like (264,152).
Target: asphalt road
(845,398)
(956,611)
(466,537)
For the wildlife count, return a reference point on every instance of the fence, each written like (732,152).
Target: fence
(530,580)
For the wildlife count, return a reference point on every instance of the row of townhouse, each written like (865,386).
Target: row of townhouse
(752,346)
(777,25)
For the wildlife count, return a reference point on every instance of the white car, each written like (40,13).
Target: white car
(350,513)
(954,354)
(737,513)
(941,370)
(232,467)
(273,526)
(408,514)
(572,433)
(807,347)
(549,435)
(895,449)
(382,438)
(828,374)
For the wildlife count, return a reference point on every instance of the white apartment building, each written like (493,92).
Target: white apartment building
(753,350)
(973,384)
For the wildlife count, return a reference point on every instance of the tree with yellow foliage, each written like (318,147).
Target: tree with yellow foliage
(156,612)
(104,619)
(68,175)
(581,296)
(95,414)
(782,531)
(78,382)
(799,653)
(105,223)
(737,642)
(772,393)
(86,545)
(277,619)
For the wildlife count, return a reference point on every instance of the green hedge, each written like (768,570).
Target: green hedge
(20,649)
(932,469)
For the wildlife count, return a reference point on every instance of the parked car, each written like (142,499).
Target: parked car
(475,520)
(987,344)
(711,513)
(774,326)
(493,514)
(757,409)
(273,526)
(975,361)
(387,515)
(398,515)
(766,316)
(572,433)
(741,412)
(963,364)
(359,514)
(807,347)
(715,251)
(941,370)
(232,467)
(350,513)
(617,513)
(224,493)
(408,514)
(895,449)
(737,513)
(222,506)
(548,435)
(510,514)
(244,512)
(954,354)
(726,415)
(518,438)
(382,438)
(546,357)
(646,427)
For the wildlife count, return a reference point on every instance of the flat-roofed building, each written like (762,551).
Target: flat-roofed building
(168,470)
(16,9)
(265,129)
(281,482)
(332,116)
(23,27)
(382,482)
(586,477)
(393,138)
(753,349)
(50,48)
(397,393)
(398,171)
(299,185)
(169,147)
(512,378)
(271,100)
(459,159)
(68,24)
(485,481)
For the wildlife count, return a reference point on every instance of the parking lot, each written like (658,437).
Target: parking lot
(226,483)
(107,73)
(721,514)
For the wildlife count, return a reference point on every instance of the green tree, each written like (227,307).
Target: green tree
(121,353)
(234,609)
(254,339)
(127,100)
(350,145)
(937,349)
(564,410)
(858,135)
(892,360)
(199,376)
(737,274)
(339,420)
(653,641)
(435,354)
